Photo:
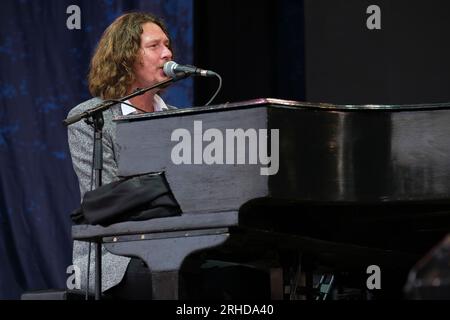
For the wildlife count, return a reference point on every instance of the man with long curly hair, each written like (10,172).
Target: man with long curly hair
(130,55)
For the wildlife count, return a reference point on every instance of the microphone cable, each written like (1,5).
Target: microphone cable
(218,88)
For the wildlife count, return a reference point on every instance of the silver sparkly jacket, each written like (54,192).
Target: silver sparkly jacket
(80,137)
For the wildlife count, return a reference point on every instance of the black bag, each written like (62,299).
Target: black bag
(130,199)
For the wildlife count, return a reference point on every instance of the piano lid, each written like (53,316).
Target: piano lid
(280,103)
(326,154)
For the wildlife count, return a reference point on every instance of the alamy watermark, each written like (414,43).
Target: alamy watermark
(374,280)
(74,20)
(74,280)
(251,147)
(373,22)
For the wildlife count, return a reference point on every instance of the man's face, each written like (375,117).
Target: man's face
(154,52)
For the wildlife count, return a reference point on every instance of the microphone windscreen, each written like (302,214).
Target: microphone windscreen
(169,69)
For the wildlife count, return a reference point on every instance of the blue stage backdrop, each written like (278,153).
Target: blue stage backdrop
(43,75)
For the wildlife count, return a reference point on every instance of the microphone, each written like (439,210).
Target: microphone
(174,70)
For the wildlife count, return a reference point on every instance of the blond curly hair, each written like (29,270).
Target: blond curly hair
(111,69)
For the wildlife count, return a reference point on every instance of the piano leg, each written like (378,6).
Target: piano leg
(276,284)
(164,254)
(165,285)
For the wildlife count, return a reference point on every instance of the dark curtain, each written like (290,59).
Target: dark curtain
(43,75)
(256,46)
(404,62)
(322,51)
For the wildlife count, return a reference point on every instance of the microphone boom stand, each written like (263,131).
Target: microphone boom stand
(108,104)
(94,117)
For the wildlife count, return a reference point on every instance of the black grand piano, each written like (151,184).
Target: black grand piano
(348,185)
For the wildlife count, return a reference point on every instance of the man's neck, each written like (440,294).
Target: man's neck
(144,102)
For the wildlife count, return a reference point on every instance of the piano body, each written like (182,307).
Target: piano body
(355,185)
